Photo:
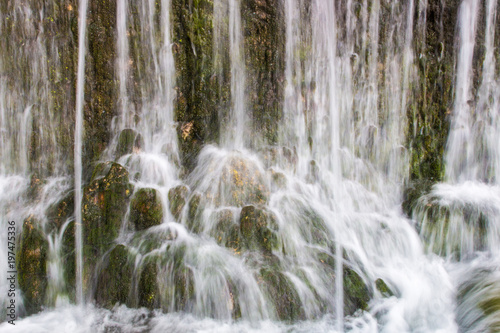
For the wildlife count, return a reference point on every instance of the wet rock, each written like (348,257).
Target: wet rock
(115,279)
(69,260)
(146,209)
(148,287)
(194,213)
(356,293)
(32,261)
(226,232)
(104,204)
(281,293)
(242,184)
(128,142)
(184,287)
(59,212)
(383,288)
(177,197)
(256,229)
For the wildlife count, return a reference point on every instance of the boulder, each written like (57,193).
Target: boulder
(146,209)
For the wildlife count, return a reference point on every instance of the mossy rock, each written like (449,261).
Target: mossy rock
(59,212)
(242,184)
(177,197)
(281,293)
(184,288)
(32,261)
(69,259)
(356,293)
(226,232)
(146,209)
(104,204)
(194,213)
(256,229)
(148,290)
(115,279)
(383,288)
(128,142)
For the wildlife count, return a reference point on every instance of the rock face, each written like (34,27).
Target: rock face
(115,279)
(104,204)
(146,209)
(257,229)
(31,266)
(128,142)
(177,197)
(356,293)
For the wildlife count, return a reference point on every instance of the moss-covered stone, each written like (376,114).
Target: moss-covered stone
(282,295)
(356,293)
(148,291)
(383,288)
(31,265)
(146,209)
(264,46)
(100,85)
(255,228)
(194,213)
(68,257)
(226,232)
(59,212)
(177,197)
(128,142)
(242,183)
(115,279)
(104,204)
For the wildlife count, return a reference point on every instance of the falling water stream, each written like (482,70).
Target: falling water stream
(325,198)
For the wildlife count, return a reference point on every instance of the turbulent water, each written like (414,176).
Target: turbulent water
(329,191)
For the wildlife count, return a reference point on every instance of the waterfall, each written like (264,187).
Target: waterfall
(459,151)
(82,28)
(181,214)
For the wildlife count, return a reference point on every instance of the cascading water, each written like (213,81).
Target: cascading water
(305,234)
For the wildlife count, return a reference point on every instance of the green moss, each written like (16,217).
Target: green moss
(148,286)
(146,209)
(256,233)
(104,204)
(194,213)
(128,141)
(32,261)
(69,260)
(226,232)
(115,279)
(356,293)
(59,212)
(282,295)
(383,288)
(177,197)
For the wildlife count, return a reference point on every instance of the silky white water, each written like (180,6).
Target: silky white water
(327,196)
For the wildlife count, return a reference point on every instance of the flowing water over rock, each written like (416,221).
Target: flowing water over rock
(156,223)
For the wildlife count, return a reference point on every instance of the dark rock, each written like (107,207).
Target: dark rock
(177,197)
(282,294)
(194,213)
(115,279)
(356,293)
(128,142)
(33,252)
(255,228)
(226,232)
(148,287)
(383,288)
(146,209)
(104,204)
